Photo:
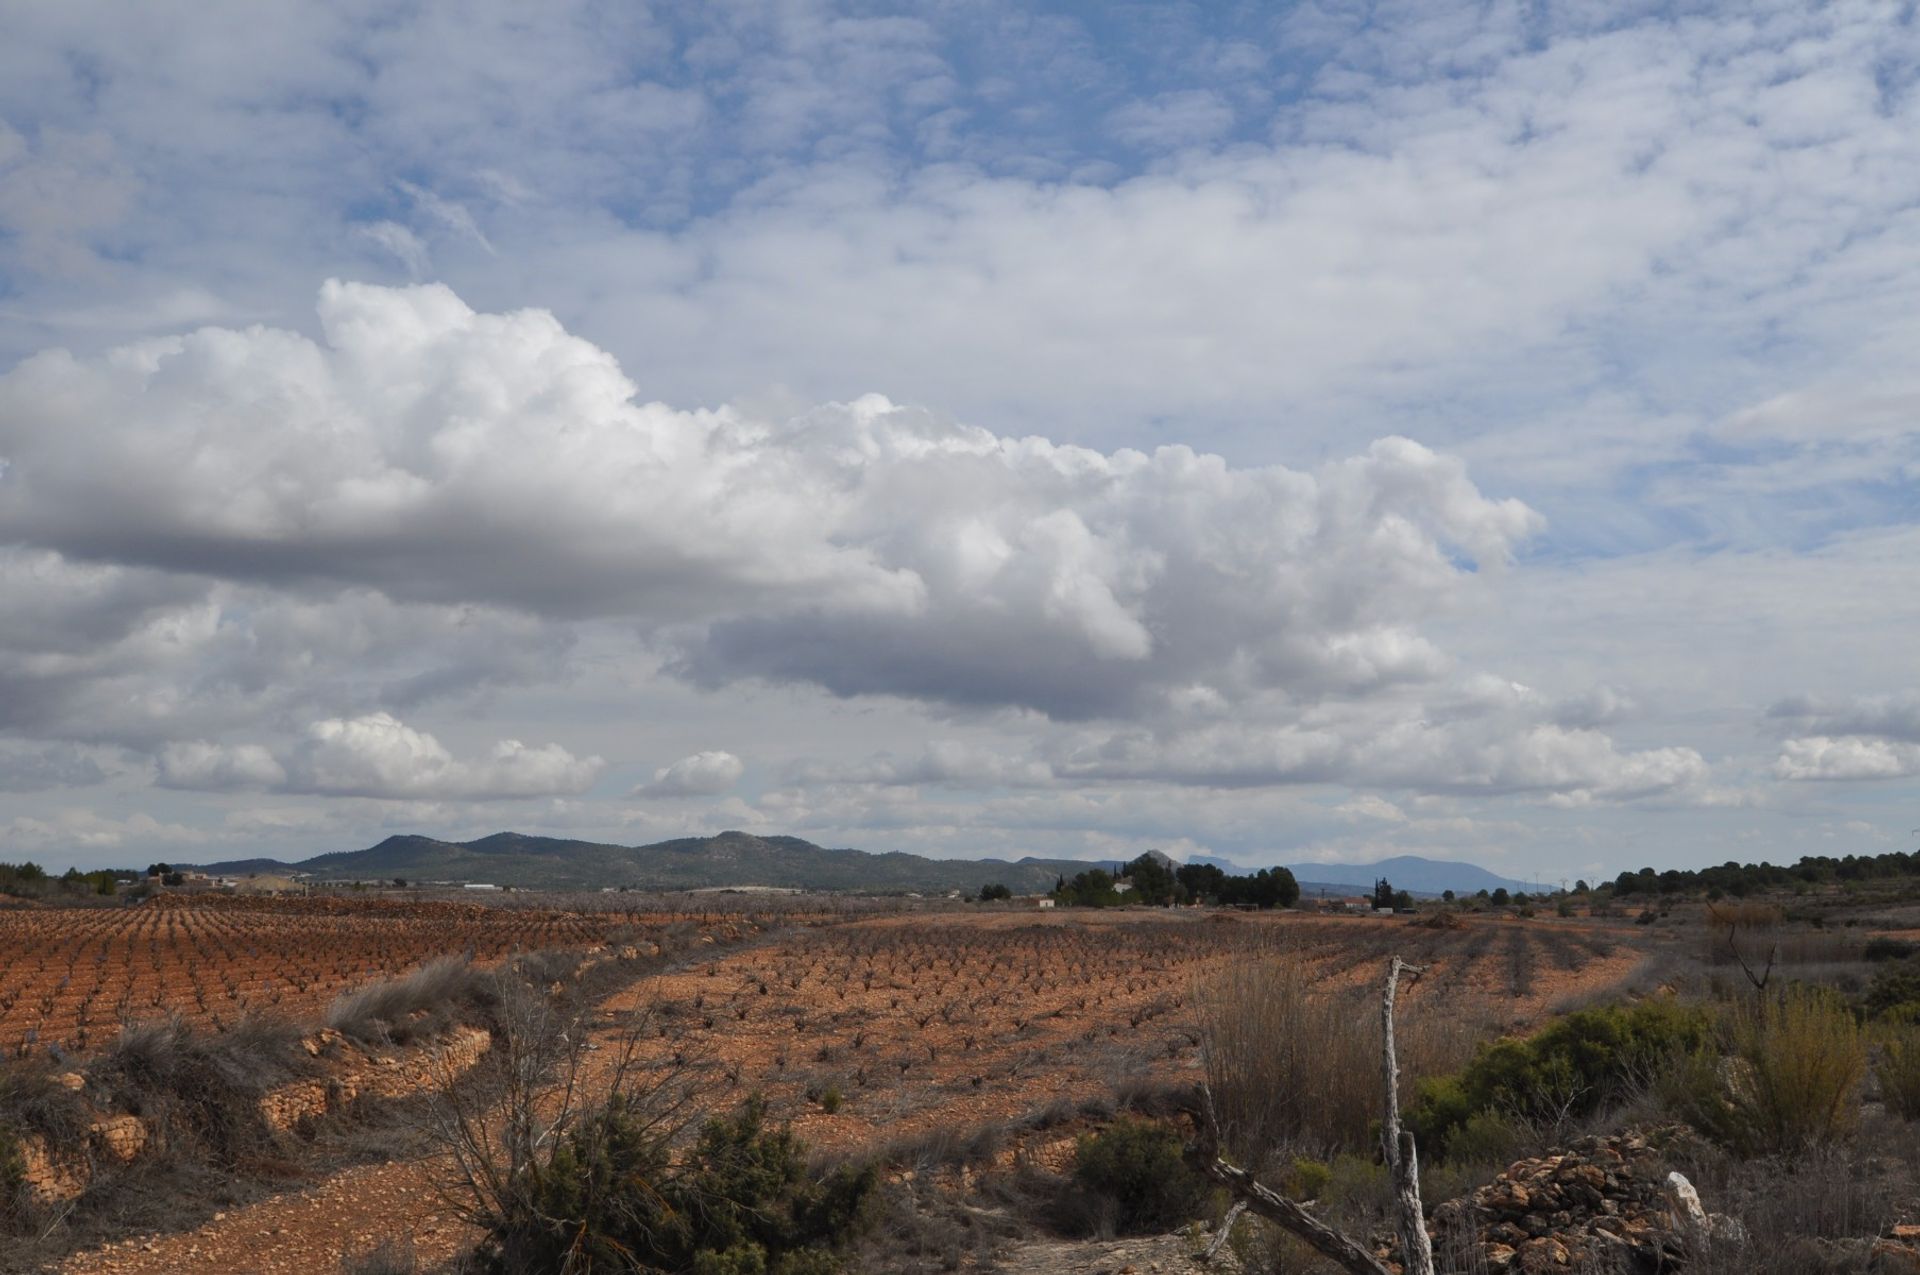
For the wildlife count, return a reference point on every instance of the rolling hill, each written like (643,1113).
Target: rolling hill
(729,859)
(1405,872)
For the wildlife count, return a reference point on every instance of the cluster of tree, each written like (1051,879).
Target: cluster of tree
(1152,881)
(1740,879)
(994,893)
(1387,898)
(31,881)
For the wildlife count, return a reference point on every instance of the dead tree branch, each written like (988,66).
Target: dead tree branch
(1759,981)
(1396,1144)
(1402,1163)
(1277,1208)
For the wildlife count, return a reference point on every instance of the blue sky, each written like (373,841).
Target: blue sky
(1311,431)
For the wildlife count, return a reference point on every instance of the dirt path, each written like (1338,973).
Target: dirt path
(300,1233)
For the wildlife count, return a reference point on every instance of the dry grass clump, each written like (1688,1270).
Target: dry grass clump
(1293,1070)
(1898,1069)
(1439,919)
(1804,1057)
(202,1088)
(1811,1213)
(1787,1077)
(416,1006)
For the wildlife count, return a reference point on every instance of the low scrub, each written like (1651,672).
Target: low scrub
(1783,1076)
(1140,1166)
(1894,991)
(1887,948)
(1576,1066)
(1898,1069)
(1293,1070)
(744,1201)
(414,1007)
(202,1088)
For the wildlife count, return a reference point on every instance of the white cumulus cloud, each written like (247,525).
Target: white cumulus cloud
(377,755)
(703,774)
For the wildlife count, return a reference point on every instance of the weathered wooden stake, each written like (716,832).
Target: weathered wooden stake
(1396,1144)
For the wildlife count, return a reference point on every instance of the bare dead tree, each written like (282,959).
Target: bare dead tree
(1402,1163)
(1759,981)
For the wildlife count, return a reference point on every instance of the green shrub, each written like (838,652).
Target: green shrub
(1486,1138)
(1308,1179)
(1886,948)
(747,1186)
(1899,1069)
(1789,1079)
(1575,1066)
(1141,1166)
(13,1171)
(744,1202)
(1894,988)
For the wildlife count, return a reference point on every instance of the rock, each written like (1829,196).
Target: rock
(1602,1203)
(120,1138)
(50,1176)
(1684,1211)
(1544,1254)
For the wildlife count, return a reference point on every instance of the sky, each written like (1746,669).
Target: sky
(1289,433)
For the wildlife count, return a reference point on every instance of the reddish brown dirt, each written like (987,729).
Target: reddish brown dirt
(70,976)
(936,1021)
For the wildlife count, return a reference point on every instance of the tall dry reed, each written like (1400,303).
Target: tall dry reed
(1293,1069)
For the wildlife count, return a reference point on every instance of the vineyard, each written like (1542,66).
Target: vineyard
(954,1020)
(69,977)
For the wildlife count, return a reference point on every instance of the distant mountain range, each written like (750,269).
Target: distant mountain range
(1407,872)
(729,859)
(742,859)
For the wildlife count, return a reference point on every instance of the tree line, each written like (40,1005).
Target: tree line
(1152,881)
(1740,879)
(28,880)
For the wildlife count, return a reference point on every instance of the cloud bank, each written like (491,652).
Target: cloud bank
(1258,625)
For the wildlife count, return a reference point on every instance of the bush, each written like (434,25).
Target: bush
(747,1188)
(1141,1166)
(1308,1179)
(1790,1078)
(994,893)
(1899,1070)
(204,1087)
(744,1202)
(1895,988)
(13,1173)
(1574,1067)
(1885,948)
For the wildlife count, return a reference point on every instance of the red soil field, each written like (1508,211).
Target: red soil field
(69,977)
(935,1022)
(948,1021)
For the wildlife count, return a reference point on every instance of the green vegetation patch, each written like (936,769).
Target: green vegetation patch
(1573,1067)
(744,1202)
(1141,1166)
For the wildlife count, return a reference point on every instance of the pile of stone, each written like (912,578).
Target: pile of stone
(1603,1203)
